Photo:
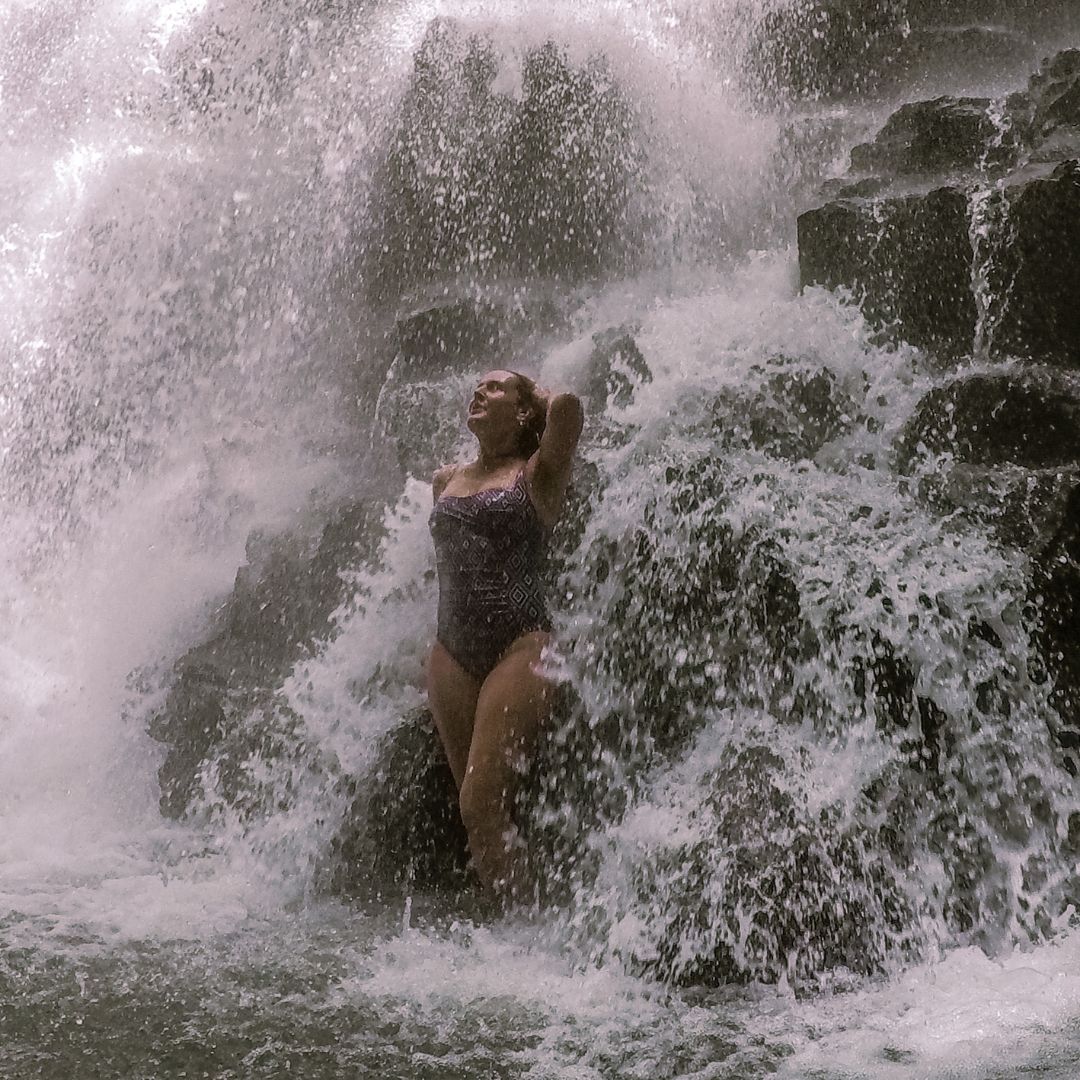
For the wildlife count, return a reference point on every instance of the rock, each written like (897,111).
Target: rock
(934,136)
(477,184)
(1040,267)
(969,265)
(906,259)
(462,331)
(1023,507)
(965,54)
(403,830)
(1016,438)
(686,611)
(1024,417)
(845,188)
(1013,13)
(192,723)
(826,47)
(796,413)
(1056,596)
(280,606)
(768,889)
(467,332)
(616,367)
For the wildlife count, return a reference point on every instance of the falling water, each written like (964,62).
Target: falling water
(803,811)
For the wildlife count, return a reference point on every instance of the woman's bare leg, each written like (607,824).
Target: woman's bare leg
(452,694)
(513,702)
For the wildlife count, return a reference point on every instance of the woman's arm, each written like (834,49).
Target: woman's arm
(549,467)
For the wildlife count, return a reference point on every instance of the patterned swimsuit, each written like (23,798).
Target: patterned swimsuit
(489,548)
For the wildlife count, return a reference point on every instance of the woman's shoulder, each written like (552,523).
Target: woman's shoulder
(441,477)
(445,473)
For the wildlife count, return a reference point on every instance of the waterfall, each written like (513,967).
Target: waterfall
(814,717)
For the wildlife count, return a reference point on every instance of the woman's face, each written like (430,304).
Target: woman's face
(495,406)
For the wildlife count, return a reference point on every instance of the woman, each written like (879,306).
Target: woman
(486,688)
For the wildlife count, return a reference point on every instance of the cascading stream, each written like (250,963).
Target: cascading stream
(803,799)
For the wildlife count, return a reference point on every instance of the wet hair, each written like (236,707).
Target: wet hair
(532,430)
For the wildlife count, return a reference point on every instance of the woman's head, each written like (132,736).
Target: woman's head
(507,409)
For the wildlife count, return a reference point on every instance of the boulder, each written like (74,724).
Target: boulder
(616,367)
(767,889)
(1014,436)
(468,331)
(280,606)
(907,259)
(941,135)
(402,830)
(1016,417)
(1040,268)
(793,414)
(964,54)
(974,257)
(1056,597)
(1025,14)
(826,47)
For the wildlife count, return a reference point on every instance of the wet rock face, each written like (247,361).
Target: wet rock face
(1041,269)
(932,136)
(280,607)
(827,47)
(1028,418)
(478,184)
(1015,437)
(984,254)
(402,830)
(1057,594)
(769,890)
(906,259)
(841,48)
(1018,14)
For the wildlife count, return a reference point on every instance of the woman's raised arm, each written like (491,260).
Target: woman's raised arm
(550,465)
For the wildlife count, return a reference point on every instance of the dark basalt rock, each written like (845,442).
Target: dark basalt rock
(1023,507)
(1029,418)
(1015,436)
(477,185)
(686,611)
(1056,594)
(1052,99)
(797,412)
(826,48)
(1012,13)
(1040,269)
(616,367)
(915,258)
(906,259)
(770,890)
(403,829)
(461,332)
(970,53)
(934,136)
(433,339)
(280,607)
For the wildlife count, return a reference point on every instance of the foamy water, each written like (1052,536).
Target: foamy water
(184,363)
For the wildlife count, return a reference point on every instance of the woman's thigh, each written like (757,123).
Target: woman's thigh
(452,695)
(513,703)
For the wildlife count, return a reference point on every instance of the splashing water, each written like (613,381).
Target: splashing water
(805,813)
